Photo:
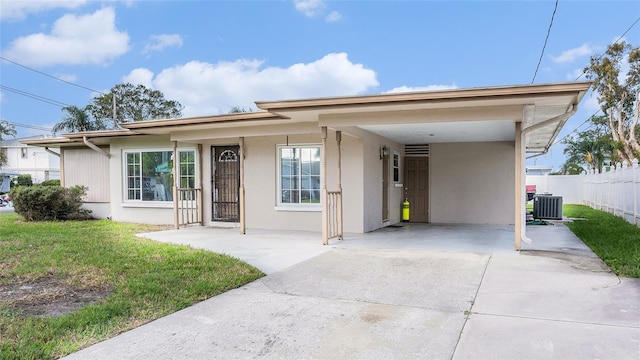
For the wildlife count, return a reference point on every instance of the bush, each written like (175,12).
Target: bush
(50,183)
(22,180)
(41,203)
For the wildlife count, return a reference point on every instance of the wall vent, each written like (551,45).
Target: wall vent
(547,207)
(416,150)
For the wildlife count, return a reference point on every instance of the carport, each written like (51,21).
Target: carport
(530,117)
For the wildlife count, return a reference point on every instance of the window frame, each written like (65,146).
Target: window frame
(126,202)
(396,167)
(282,206)
(24,152)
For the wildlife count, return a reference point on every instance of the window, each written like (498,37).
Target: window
(187,169)
(24,153)
(149,174)
(299,175)
(396,167)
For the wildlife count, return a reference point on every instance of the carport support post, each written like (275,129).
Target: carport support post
(519,160)
(243,227)
(339,209)
(323,180)
(174,172)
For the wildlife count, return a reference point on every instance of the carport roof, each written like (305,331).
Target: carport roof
(459,115)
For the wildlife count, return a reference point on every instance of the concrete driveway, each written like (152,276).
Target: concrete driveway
(384,296)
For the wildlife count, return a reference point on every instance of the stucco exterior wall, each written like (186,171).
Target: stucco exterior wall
(472,183)
(261,182)
(373,181)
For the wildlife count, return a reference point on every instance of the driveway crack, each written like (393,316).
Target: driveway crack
(468,313)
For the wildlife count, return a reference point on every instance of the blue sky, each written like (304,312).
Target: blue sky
(213,55)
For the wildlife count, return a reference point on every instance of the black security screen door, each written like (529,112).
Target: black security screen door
(225,183)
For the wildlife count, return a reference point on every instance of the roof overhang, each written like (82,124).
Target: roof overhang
(462,115)
(477,114)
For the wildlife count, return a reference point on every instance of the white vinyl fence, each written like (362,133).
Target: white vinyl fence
(616,191)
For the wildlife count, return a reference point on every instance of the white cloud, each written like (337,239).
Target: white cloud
(403,89)
(85,39)
(573,54)
(160,42)
(140,76)
(334,16)
(19,9)
(209,89)
(310,8)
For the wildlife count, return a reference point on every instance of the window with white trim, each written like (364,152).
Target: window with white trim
(396,167)
(299,175)
(149,174)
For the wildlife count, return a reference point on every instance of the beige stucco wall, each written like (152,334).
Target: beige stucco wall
(472,183)
(261,182)
(372,183)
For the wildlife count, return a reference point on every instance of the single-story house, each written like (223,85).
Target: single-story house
(336,165)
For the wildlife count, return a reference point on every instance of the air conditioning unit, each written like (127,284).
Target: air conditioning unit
(547,207)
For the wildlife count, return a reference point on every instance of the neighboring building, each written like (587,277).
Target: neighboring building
(27,159)
(539,170)
(328,164)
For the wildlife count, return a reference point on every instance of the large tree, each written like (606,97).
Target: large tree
(77,119)
(9,130)
(133,103)
(619,95)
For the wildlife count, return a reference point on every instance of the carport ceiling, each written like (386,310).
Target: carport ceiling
(428,133)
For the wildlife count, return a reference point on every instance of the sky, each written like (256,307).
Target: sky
(214,55)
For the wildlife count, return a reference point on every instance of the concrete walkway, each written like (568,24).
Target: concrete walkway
(385,296)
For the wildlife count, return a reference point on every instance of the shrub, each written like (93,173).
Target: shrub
(22,180)
(41,203)
(50,183)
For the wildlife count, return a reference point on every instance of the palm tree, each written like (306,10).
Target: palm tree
(77,119)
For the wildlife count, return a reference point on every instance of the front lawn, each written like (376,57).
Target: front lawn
(67,285)
(614,240)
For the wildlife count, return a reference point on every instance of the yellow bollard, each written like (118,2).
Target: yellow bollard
(405,210)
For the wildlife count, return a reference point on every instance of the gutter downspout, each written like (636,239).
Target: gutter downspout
(51,151)
(61,156)
(94,147)
(568,114)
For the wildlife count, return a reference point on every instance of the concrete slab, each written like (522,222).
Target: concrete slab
(434,280)
(427,291)
(497,337)
(269,251)
(264,320)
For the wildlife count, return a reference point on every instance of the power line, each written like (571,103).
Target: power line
(35,127)
(615,42)
(51,76)
(34,96)
(545,42)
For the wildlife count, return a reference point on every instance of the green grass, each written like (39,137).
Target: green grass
(143,280)
(614,240)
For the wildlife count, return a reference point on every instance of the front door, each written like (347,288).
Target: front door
(417,187)
(225,183)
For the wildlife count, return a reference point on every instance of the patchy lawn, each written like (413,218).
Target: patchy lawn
(614,240)
(67,285)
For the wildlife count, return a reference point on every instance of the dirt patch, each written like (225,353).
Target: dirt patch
(49,297)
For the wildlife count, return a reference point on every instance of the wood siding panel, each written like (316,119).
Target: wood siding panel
(88,168)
